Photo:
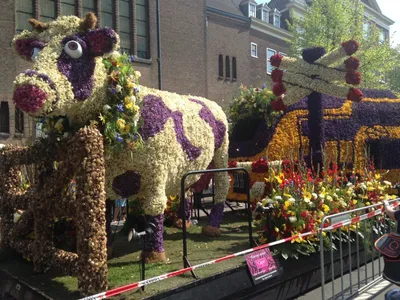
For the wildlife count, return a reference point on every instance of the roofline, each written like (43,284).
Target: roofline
(226,14)
(270,29)
(369,10)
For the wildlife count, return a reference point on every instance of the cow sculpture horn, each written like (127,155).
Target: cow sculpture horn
(89,22)
(37,25)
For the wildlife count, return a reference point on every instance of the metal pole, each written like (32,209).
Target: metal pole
(160,87)
(249,215)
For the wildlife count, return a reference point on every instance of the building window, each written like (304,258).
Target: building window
(23,12)
(19,121)
(88,6)
(382,37)
(366,30)
(4,117)
(220,66)
(107,14)
(234,73)
(47,10)
(252,10)
(125,26)
(142,28)
(68,8)
(270,52)
(253,50)
(265,15)
(277,20)
(227,68)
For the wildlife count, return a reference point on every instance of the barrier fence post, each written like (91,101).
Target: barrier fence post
(183,206)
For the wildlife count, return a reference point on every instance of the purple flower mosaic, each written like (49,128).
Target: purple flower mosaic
(155,114)
(215,217)
(156,242)
(218,127)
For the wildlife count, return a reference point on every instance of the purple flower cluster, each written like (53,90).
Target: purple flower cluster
(156,242)
(218,127)
(215,217)
(155,114)
(79,71)
(310,55)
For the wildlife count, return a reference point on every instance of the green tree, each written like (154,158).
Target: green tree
(327,23)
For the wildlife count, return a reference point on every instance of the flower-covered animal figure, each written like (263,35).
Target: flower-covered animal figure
(178,133)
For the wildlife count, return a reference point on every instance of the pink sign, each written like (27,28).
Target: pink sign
(261,265)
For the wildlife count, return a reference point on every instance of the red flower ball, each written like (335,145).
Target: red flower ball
(352,63)
(355,95)
(350,47)
(276,60)
(260,166)
(278,89)
(277,75)
(232,164)
(353,77)
(278,105)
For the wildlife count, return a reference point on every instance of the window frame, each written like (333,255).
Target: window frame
(268,59)
(251,12)
(6,129)
(220,66)
(265,13)
(251,50)
(234,68)
(19,121)
(227,68)
(274,19)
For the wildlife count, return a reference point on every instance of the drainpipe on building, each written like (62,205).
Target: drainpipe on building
(159,47)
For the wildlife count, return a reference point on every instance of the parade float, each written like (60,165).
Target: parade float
(115,138)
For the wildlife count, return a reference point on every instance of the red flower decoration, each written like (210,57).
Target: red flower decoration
(353,77)
(260,166)
(278,89)
(277,75)
(276,60)
(232,164)
(352,63)
(355,95)
(278,105)
(350,47)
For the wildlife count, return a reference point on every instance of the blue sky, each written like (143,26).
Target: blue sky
(391,9)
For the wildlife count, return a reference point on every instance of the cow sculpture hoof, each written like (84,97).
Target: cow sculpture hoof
(211,231)
(179,224)
(154,257)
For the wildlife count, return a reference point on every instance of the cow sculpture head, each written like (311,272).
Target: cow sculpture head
(67,75)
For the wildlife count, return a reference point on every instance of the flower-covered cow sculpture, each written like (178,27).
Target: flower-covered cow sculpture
(69,77)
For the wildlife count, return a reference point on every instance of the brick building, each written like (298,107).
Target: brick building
(209,47)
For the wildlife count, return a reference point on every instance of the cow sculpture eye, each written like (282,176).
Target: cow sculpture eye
(34,53)
(73,49)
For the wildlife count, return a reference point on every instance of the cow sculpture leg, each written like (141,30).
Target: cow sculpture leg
(221,190)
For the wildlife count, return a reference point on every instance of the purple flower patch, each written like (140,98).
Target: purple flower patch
(217,212)
(218,127)
(156,242)
(79,71)
(127,184)
(155,114)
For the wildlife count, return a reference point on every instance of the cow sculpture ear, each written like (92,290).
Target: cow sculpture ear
(102,41)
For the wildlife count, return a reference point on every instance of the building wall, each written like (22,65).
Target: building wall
(10,66)
(229,37)
(258,74)
(183,45)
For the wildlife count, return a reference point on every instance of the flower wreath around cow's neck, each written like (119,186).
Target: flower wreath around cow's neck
(119,119)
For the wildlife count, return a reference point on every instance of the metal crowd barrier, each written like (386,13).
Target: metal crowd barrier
(356,263)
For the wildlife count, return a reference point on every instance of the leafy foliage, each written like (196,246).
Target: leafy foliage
(253,103)
(327,23)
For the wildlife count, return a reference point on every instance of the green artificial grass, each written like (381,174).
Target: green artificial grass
(124,267)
